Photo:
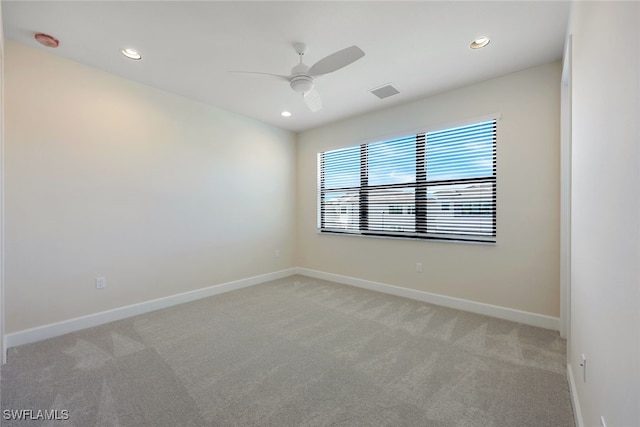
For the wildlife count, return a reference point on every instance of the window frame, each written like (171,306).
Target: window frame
(420,186)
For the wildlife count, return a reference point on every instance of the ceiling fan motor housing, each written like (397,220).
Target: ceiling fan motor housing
(301,83)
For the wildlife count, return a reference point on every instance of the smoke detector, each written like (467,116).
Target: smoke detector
(47,40)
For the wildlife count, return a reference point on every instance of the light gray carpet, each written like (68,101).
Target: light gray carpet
(296,352)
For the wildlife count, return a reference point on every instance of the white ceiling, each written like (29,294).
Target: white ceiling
(188,48)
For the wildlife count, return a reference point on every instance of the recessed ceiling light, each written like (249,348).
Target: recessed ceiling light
(131,53)
(285,114)
(480,42)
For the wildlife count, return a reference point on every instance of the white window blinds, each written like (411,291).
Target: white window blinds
(434,185)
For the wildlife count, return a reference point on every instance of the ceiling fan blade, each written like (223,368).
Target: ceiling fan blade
(313,101)
(336,60)
(279,76)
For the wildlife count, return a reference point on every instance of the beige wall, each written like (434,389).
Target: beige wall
(162,195)
(3,355)
(605,179)
(521,271)
(159,194)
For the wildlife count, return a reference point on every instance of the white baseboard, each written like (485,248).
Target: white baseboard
(67,326)
(533,319)
(60,328)
(577,412)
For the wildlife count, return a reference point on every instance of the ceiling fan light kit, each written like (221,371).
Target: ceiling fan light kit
(302,77)
(301,83)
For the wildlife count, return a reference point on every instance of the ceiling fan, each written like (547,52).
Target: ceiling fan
(302,76)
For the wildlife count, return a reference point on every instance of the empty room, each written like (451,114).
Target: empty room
(301,213)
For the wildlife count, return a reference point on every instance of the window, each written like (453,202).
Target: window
(433,185)
(396,210)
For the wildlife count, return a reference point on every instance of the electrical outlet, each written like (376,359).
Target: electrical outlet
(101,282)
(419,267)
(277,253)
(602,423)
(583,363)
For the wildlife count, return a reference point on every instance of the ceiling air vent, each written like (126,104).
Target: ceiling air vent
(385,91)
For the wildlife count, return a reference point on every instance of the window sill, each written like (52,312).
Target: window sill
(412,238)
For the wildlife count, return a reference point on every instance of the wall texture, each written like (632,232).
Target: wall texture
(605,249)
(159,194)
(521,271)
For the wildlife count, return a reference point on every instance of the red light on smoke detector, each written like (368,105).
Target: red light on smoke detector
(47,40)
